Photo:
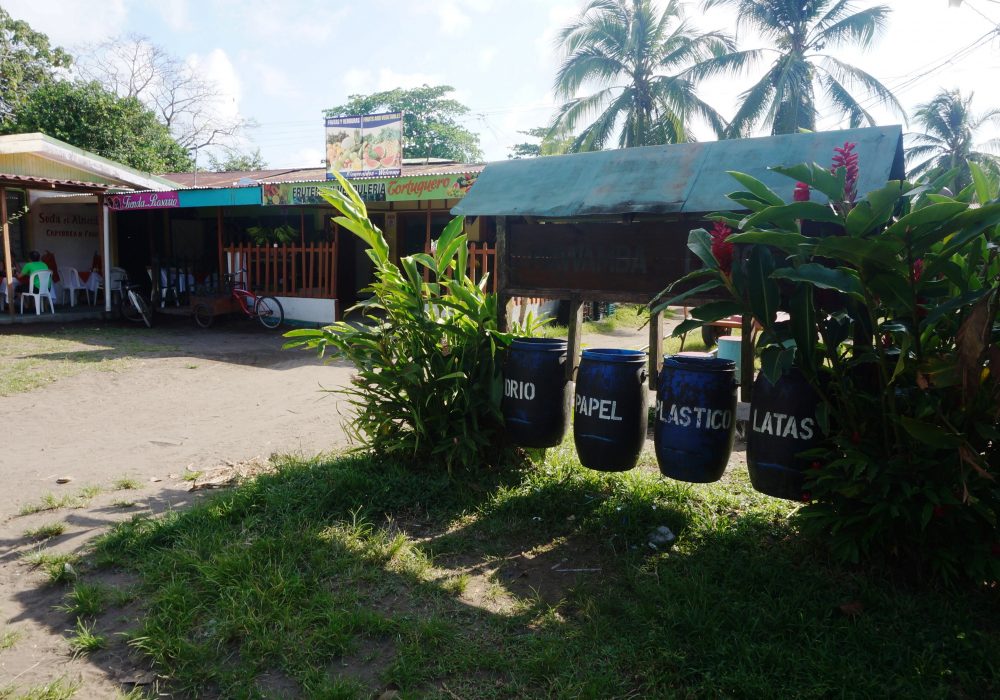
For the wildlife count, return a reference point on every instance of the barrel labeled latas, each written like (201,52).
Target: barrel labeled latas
(695,418)
(536,395)
(782,424)
(610,407)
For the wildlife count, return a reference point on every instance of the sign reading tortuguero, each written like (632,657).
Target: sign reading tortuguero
(396,189)
(142,200)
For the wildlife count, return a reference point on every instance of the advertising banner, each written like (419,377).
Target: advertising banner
(142,200)
(398,189)
(365,145)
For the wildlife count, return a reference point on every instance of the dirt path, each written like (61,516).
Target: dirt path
(227,394)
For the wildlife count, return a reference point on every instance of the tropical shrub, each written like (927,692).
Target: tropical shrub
(427,354)
(892,304)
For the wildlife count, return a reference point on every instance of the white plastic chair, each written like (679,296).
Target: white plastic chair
(74,284)
(42,280)
(118,276)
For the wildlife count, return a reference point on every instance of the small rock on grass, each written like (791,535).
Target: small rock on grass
(64,479)
(661,538)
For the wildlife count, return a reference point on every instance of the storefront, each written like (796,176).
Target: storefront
(277,226)
(51,194)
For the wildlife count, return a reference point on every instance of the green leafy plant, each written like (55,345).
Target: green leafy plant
(427,353)
(266,235)
(890,310)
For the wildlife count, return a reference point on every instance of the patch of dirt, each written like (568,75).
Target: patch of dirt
(221,401)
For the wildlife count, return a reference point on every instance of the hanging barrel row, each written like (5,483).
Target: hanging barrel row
(695,417)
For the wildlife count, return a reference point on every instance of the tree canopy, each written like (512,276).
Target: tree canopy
(548,144)
(88,116)
(236,161)
(430,121)
(948,141)
(27,61)
(784,99)
(641,60)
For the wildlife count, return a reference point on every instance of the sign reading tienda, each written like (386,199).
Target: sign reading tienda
(142,200)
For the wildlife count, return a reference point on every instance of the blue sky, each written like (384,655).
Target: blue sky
(281,63)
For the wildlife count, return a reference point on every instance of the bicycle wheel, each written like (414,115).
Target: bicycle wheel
(269,312)
(143,307)
(203,315)
(129,310)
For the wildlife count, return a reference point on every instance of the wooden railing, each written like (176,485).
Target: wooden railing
(482,261)
(308,270)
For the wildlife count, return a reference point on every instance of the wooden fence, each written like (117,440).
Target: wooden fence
(288,270)
(482,261)
(311,270)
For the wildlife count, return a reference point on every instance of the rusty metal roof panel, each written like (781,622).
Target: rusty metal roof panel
(52,184)
(682,178)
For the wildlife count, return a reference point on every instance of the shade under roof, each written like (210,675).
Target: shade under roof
(684,178)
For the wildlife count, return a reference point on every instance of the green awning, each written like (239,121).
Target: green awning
(685,178)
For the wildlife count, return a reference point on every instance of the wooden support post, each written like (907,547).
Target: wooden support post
(746,359)
(105,221)
(8,264)
(500,273)
(655,348)
(575,329)
(218,237)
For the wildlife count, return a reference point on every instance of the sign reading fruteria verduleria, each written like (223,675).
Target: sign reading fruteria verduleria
(394,189)
(365,145)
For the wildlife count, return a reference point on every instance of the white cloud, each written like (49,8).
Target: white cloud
(216,67)
(357,81)
(284,25)
(486,57)
(175,14)
(69,24)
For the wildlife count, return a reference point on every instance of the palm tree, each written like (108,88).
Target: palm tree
(784,100)
(641,59)
(948,139)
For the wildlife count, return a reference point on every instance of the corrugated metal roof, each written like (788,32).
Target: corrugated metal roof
(682,178)
(233,178)
(46,183)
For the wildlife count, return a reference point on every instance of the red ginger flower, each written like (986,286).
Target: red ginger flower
(722,249)
(918,269)
(846,158)
(801,192)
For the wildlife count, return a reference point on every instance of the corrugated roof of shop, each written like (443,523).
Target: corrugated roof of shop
(234,178)
(52,184)
(681,178)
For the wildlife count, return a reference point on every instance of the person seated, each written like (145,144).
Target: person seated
(49,258)
(35,264)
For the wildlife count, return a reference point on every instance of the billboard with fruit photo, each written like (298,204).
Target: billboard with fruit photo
(365,146)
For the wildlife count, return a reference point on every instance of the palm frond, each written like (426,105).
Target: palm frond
(845,103)
(586,64)
(859,29)
(855,77)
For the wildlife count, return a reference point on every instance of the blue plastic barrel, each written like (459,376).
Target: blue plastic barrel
(610,406)
(782,424)
(536,396)
(695,418)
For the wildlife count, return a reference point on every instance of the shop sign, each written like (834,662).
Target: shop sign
(365,145)
(142,200)
(399,189)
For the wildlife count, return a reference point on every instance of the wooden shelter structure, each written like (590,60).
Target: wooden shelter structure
(613,225)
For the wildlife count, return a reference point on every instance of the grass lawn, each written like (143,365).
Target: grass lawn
(29,360)
(346,577)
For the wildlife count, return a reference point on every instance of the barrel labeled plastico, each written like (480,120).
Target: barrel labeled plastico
(536,395)
(695,418)
(610,407)
(782,425)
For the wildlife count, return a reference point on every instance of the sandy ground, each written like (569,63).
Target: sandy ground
(224,394)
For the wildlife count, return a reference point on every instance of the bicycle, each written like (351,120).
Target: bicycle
(133,305)
(265,309)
